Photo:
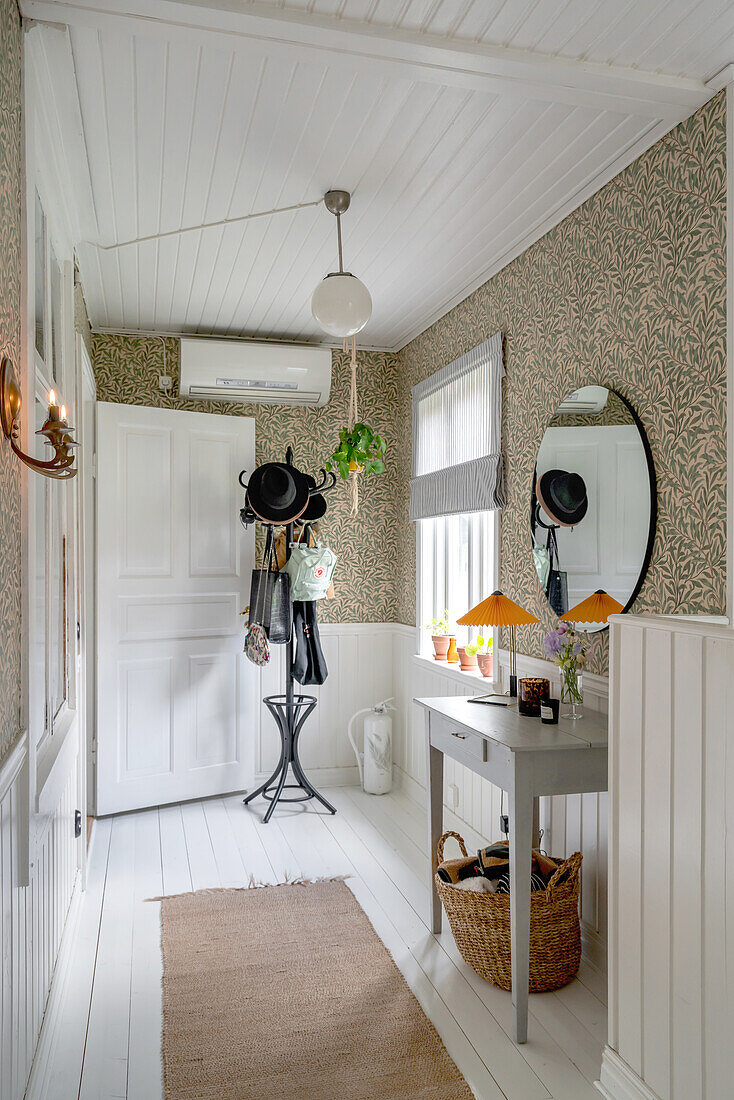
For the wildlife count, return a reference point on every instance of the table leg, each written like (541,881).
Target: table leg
(434,758)
(521,827)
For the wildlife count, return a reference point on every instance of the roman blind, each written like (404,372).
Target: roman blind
(457,418)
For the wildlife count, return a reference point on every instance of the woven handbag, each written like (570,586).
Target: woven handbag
(480,923)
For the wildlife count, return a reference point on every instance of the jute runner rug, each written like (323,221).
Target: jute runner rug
(287,993)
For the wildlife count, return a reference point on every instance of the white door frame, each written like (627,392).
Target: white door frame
(86,433)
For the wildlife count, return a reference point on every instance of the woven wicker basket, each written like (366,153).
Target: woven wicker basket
(481,927)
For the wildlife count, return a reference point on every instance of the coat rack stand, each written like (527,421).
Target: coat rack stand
(291,709)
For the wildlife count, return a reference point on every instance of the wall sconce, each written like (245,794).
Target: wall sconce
(55,429)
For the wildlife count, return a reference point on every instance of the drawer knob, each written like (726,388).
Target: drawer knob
(463,736)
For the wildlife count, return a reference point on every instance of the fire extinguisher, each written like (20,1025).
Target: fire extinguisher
(375,763)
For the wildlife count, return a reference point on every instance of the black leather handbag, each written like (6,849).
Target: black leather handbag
(309,665)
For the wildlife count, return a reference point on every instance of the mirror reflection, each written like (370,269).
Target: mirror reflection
(592,507)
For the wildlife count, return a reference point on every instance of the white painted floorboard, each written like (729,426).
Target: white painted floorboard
(108,1044)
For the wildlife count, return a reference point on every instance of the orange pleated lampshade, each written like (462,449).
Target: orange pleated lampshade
(596,608)
(497,610)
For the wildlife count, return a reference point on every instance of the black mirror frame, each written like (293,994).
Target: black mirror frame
(652,530)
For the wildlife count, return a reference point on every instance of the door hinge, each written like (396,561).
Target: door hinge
(94,465)
(77,823)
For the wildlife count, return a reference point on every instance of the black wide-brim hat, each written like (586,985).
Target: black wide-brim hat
(277,493)
(562,496)
(316,507)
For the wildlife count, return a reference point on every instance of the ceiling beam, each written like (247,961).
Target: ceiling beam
(526,74)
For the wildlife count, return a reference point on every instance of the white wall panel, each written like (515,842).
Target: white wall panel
(32,920)
(671,881)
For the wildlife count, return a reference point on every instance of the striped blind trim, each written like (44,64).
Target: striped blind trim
(474,486)
(457,415)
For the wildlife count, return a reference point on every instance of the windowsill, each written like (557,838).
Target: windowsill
(453,672)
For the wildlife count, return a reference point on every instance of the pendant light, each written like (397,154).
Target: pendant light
(341,304)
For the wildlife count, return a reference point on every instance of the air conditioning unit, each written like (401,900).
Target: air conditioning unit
(255,372)
(588,400)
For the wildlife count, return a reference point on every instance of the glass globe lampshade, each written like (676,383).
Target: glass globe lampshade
(341,304)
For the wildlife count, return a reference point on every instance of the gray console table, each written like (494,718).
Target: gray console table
(527,759)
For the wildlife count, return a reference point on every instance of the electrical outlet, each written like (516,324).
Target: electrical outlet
(165,382)
(453,796)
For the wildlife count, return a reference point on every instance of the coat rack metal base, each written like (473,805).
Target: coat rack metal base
(290,715)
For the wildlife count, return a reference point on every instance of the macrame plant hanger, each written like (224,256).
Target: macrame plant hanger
(350,347)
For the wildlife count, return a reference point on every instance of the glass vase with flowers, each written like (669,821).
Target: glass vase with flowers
(565,646)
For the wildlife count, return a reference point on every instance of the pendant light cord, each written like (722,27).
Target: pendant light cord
(213,225)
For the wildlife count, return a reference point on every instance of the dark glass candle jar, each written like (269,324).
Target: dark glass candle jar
(531,690)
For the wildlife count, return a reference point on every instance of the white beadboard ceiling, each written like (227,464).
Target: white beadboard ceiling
(464,129)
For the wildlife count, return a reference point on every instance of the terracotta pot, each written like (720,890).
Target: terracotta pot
(452,656)
(485,662)
(468,660)
(440,646)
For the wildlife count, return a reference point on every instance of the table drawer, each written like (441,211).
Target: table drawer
(452,739)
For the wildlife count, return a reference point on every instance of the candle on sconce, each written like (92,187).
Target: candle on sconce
(53,408)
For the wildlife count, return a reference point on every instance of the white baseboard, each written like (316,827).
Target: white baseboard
(323,777)
(619,1082)
(39,1087)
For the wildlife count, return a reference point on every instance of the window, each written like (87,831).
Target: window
(456,556)
(456,488)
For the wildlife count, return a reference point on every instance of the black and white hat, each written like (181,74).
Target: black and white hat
(277,493)
(562,496)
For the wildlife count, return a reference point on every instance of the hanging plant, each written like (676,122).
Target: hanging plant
(360,450)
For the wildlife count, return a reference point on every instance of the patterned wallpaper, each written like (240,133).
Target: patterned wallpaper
(127,368)
(628,291)
(10,223)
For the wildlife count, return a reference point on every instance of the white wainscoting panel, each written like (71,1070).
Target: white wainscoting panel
(32,919)
(359,657)
(570,823)
(671,920)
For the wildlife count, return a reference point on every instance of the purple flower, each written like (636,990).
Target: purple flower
(562,628)
(552,644)
(577,648)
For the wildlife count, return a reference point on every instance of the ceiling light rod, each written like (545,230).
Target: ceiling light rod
(214,225)
(337,202)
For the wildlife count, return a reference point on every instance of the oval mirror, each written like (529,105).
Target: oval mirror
(593,506)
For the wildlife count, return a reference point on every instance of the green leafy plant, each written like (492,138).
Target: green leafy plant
(439,626)
(479,645)
(360,448)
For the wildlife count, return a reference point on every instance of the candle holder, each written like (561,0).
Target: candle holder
(55,429)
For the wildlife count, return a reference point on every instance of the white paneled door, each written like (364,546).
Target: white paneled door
(177,699)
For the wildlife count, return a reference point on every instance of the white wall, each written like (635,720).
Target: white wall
(32,917)
(671,942)
(359,657)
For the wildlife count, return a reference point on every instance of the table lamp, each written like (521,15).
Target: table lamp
(596,608)
(500,610)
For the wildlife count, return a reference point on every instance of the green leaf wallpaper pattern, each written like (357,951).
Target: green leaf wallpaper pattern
(10,272)
(628,291)
(126,370)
